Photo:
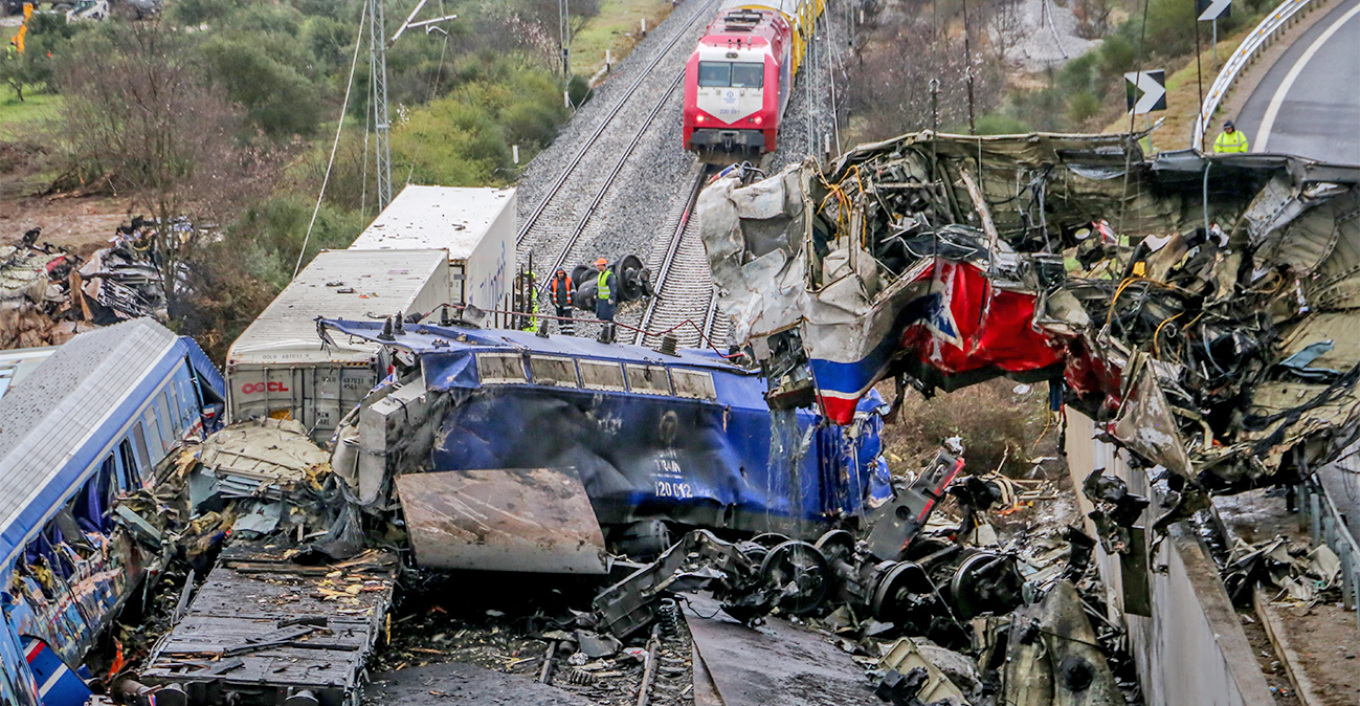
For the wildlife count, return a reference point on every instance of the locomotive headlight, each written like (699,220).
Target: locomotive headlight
(758,120)
(700,118)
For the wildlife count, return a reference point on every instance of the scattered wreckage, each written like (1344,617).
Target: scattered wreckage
(292,602)
(1221,353)
(937,261)
(87,442)
(117,283)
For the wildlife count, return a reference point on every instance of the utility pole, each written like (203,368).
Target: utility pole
(377,72)
(564,36)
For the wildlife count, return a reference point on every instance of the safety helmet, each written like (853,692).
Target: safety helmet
(602,261)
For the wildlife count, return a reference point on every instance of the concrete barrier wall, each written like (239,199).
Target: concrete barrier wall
(1191,649)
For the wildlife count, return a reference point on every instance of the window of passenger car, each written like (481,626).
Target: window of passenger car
(601,375)
(695,384)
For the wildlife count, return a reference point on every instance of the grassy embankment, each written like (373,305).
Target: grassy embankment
(617,28)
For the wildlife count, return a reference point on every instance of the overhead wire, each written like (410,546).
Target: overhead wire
(335,146)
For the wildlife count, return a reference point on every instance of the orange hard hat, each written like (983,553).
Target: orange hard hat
(602,261)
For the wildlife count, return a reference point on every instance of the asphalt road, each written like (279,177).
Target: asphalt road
(1308,103)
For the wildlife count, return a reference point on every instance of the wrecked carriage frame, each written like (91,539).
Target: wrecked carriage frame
(943,260)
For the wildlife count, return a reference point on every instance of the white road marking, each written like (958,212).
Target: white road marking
(1272,110)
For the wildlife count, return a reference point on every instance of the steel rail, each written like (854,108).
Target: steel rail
(575,161)
(672,249)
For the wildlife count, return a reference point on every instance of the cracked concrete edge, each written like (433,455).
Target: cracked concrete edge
(1260,65)
(1284,649)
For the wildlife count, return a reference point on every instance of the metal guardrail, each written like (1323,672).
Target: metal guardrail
(1325,525)
(1261,37)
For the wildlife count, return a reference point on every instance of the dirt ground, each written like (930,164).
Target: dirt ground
(80,224)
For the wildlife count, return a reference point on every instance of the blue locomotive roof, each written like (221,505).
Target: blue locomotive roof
(427,339)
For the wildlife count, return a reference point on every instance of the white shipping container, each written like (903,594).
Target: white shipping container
(476,225)
(278,367)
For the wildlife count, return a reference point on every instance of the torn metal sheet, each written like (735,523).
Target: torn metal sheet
(1293,572)
(1053,658)
(262,456)
(776,664)
(536,519)
(905,655)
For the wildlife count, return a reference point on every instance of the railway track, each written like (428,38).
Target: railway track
(573,236)
(573,199)
(685,305)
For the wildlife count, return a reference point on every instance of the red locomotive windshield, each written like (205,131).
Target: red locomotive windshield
(729,74)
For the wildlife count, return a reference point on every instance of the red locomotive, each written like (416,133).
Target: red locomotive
(738,81)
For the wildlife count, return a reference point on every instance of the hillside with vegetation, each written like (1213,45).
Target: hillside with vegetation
(225,113)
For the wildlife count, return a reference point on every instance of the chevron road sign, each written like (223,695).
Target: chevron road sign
(1213,9)
(1145,91)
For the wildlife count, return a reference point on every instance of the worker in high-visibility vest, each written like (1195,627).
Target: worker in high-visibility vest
(562,293)
(606,296)
(1230,141)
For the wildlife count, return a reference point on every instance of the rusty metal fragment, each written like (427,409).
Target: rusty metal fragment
(518,519)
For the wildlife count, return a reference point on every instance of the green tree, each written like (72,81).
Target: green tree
(139,112)
(48,38)
(21,71)
(277,99)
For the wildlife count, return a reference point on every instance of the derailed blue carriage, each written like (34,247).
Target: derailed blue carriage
(492,435)
(85,432)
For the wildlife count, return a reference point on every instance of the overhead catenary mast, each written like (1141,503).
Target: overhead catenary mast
(377,68)
(377,72)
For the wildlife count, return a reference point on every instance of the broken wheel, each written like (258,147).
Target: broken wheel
(836,544)
(800,573)
(902,592)
(986,583)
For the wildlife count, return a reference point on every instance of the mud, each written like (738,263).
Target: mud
(461,683)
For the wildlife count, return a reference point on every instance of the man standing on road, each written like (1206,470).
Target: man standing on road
(606,295)
(1230,141)
(561,291)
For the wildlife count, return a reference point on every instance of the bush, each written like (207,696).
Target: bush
(993,421)
(277,99)
(1082,107)
(579,90)
(1118,54)
(464,139)
(265,242)
(1001,124)
(1171,27)
(197,12)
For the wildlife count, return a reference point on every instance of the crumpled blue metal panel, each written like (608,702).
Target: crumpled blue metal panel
(448,371)
(699,463)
